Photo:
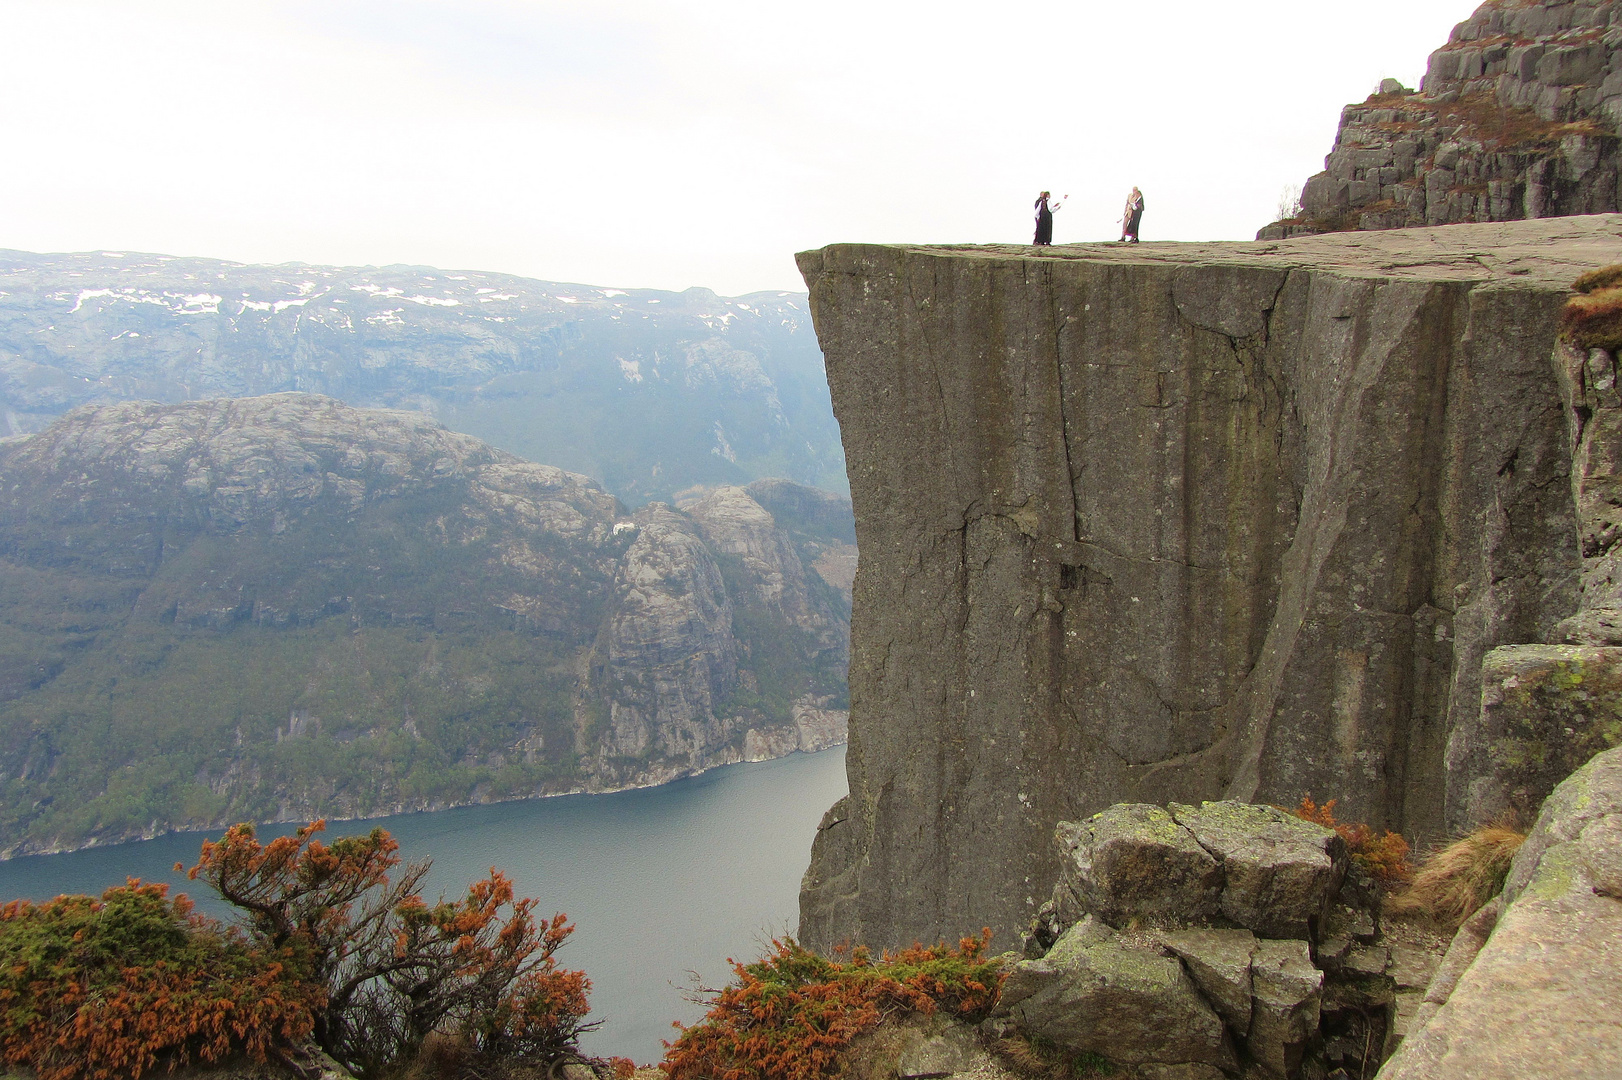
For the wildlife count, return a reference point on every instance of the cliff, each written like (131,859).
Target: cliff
(1518,117)
(1180,522)
(283,607)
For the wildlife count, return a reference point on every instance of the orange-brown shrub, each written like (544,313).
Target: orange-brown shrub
(1454,881)
(788,1016)
(1385,856)
(113,987)
(397,969)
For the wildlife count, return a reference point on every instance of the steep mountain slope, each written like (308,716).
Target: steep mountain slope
(651,392)
(282,606)
(1518,117)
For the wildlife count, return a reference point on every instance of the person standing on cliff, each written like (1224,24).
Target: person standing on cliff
(1133,215)
(1044,219)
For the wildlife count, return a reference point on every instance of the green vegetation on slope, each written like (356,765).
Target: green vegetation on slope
(160,728)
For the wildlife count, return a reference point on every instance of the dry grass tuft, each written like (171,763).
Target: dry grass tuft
(1036,1058)
(1022,1057)
(1606,277)
(1454,881)
(1593,320)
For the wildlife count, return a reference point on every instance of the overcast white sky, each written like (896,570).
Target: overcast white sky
(665,144)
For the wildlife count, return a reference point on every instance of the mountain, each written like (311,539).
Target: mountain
(282,606)
(650,392)
(1517,117)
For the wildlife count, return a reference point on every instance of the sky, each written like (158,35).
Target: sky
(666,143)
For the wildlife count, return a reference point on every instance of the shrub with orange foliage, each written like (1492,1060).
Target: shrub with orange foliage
(396,968)
(787,1016)
(112,987)
(1385,856)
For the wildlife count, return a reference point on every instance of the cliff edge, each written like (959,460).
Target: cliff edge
(1179,522)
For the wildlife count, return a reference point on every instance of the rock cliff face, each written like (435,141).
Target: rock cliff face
(1518,117)
(1177,523)
(279,607)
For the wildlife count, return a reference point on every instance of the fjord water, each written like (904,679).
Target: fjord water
(660,882)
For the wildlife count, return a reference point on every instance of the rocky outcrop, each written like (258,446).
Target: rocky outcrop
(1249,955)
(1545,711)
(1587,374)
(284,607)
(1518,117)
(1532,985)
(1094,993)
(1179,523)
(651,392)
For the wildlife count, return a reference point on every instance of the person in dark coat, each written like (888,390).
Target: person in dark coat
(1044,219)
(1133,215)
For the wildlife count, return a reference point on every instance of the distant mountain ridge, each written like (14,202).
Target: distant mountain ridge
(280,607)
(650,392)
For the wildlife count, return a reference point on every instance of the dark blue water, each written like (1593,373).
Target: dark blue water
(659,882)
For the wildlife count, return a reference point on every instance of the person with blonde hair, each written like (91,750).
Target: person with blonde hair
(1133,215)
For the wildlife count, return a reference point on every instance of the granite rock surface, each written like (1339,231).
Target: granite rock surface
(1135,923)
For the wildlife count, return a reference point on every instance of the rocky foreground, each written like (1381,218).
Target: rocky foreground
(283,607)
(1233,940)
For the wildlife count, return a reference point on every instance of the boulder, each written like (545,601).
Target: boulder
(1285,993)
(1545,710)
(1295,1007)
(952,1050)
(1281,875)
(1095,992)
(1134,861)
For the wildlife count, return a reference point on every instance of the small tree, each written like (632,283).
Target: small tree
(395,968)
